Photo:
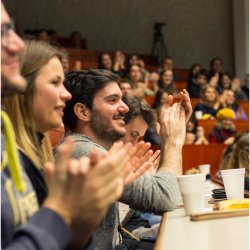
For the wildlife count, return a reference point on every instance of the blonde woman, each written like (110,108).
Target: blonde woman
(210,103)
(39,110)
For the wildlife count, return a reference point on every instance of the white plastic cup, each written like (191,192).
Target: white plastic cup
(192,191)
(233,180)
(204,168)
(198,115)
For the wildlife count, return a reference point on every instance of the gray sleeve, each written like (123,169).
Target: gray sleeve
(82,149)
(155,193)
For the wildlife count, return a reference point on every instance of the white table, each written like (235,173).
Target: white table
(177,232)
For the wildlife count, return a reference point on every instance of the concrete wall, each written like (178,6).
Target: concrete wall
(241,37)
(196,30)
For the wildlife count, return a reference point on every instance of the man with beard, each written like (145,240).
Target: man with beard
(95,117)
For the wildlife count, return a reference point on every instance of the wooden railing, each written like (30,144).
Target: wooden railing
(195,155)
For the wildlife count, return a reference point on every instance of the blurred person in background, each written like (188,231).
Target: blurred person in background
(228,101)
(210,102)
(224,130)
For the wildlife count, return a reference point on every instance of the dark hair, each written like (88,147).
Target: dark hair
(202,72)
(100,60)
(214,60)
(157,100)
(137,106)
(83,86)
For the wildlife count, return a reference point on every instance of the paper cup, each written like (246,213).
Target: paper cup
(204,168)
(198,115)
(192,191)
(233,180)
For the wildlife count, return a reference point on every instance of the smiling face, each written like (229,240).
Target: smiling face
(210,94)
(12,45)
(135,73)
(107,114)
(167,77)
(226,81)
(106,61)
(50,96)
(230,97)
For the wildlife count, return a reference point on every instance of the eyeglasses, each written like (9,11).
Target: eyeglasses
(5,32)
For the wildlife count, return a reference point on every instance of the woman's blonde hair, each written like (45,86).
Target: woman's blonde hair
(19,107)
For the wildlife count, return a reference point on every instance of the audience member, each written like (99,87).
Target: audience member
(125,87)
(224,131)
(228,101)
(152,81)
(119,66)
(239,93)
(195,134)
(167,82)
(197,83)
(105,62)
(216,71)
(195,68)
(225,82)
(53,37)
(210,103)
(245,87)
(23,226)
(76,40)
(160,98)
(65,61)
(139,87)
(137,119)
(97,121)
(32,117)
(43,36)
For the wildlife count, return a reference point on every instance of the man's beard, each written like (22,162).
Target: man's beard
(9,87)
(102,129)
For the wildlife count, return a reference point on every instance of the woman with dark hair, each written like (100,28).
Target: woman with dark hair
(193,71)
(160,98)
(225,82)
(167,82)
(105,62)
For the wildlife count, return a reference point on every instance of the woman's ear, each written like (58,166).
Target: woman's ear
(82,112)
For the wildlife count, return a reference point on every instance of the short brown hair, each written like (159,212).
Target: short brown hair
(138,106)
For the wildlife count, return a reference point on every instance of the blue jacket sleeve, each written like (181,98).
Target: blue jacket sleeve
(45,230)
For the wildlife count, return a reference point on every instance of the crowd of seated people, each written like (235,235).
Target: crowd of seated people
(215,88)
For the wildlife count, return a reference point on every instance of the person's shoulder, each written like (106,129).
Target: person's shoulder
(83,145)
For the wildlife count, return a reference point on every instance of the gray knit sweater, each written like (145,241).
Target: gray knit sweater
(152,193)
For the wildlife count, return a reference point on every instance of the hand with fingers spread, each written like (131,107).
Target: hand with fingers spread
(139,163)
(82,190)
(173,128)
(186,104)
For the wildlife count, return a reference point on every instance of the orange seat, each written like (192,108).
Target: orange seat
(56,135)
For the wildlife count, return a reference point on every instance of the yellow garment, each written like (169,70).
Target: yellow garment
(225,114)
(13,159)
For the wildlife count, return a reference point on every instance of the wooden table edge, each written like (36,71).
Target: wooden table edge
(160,236)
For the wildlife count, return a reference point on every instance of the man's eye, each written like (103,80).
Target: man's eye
(134,134)
(112,100)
